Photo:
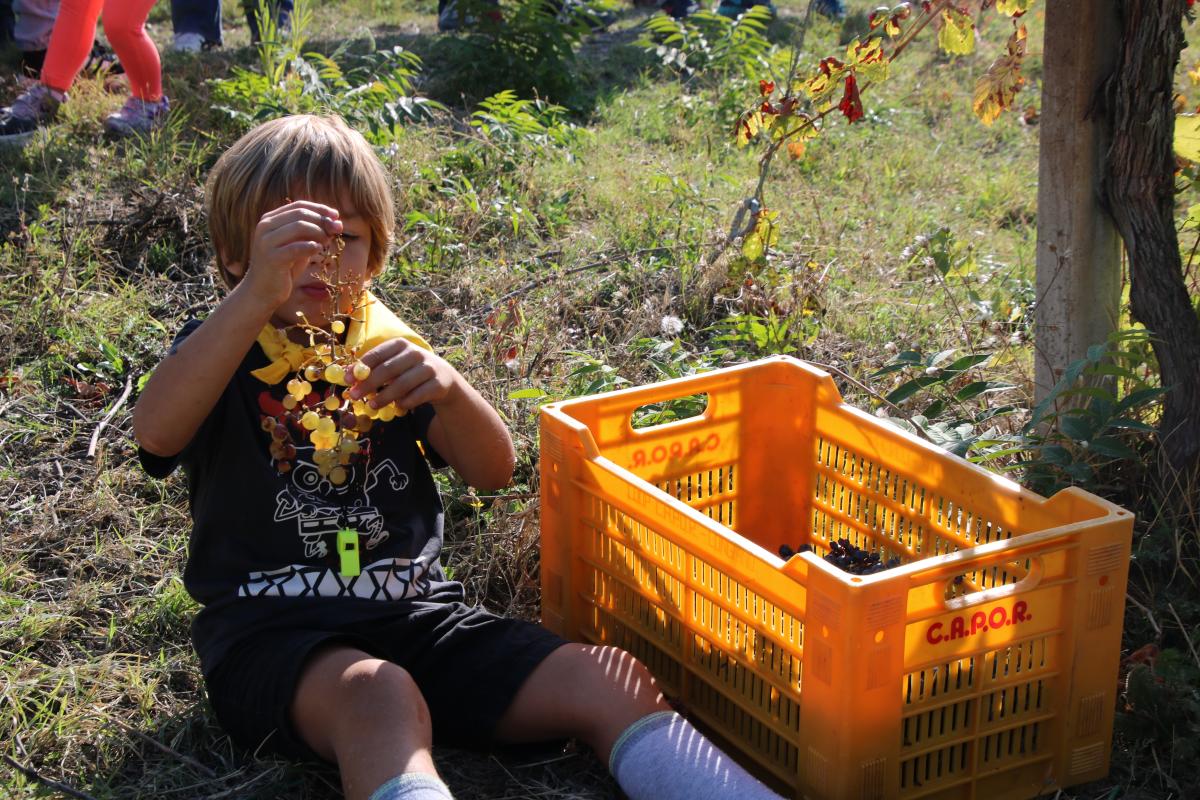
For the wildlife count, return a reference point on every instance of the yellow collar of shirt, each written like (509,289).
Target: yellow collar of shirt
(370,326)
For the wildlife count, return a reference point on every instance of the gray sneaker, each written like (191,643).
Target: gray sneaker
(36,105)
(137,117)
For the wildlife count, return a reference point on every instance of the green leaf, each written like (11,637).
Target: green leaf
(909,388)
(1112,447)
(977,388)
(1077,427)
(1130,424)
(531,393)
(966,362)
(1138,398)
(957,35)
(1055,454)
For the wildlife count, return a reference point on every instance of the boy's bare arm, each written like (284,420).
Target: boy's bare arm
(466,430)
(188,383)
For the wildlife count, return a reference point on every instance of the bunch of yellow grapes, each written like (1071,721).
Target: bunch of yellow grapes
(332,421)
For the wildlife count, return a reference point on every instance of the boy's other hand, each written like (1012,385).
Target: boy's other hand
(406,374)
(285,240)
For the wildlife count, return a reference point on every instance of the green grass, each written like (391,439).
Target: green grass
(104,255)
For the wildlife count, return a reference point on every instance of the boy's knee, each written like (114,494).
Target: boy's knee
(372,689)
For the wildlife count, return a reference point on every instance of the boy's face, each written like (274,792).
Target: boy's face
(313,290)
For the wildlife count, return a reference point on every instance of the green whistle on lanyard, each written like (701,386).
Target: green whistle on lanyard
(347,546)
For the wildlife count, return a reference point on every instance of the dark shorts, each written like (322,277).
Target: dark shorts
(468,662)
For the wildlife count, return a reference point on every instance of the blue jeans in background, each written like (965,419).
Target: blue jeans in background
(204,17)
(197,16)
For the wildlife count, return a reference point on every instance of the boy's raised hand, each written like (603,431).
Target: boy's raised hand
(285,239)
(406,374)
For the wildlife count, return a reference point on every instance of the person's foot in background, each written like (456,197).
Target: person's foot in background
(679,8)
(138,116)
(188,43)
(735,8)
(33,107)
(834,9)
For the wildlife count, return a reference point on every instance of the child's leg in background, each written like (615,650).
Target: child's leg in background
(70,43)
(125,26)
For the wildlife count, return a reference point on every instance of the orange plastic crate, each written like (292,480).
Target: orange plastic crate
(983,667)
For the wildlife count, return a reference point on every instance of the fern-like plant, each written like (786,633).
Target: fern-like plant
(372,92)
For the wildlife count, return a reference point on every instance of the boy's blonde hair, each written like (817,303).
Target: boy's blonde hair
(298,157)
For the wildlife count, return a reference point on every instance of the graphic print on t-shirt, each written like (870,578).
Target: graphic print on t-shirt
(319,508)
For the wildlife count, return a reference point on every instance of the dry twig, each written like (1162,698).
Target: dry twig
(112,412)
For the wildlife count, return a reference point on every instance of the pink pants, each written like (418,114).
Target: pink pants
(124,24)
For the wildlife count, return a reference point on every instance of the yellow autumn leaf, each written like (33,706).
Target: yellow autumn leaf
(957,35)
(1187,136)
(764,235)
(748,126)
(868,59)
(1010,8)
(996,89)
(864,52)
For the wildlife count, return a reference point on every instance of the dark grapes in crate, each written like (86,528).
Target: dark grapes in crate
(845,556)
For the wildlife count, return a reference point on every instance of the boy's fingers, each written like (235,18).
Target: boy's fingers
(329,223)
(387,362)
(404,384)
(383,352)
(320,208)
(301,251)
(299,231)
(423,393)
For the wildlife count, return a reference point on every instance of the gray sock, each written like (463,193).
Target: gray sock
(413,786)
(662,757)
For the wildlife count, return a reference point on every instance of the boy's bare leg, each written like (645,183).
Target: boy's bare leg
(366,715)
(584,691)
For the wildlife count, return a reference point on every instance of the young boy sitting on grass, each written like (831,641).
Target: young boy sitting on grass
(329,629)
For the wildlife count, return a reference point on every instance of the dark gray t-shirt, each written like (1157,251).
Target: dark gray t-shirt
(264,542)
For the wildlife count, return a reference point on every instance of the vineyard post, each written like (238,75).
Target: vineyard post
(1078,249)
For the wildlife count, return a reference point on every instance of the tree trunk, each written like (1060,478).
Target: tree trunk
(1140,194)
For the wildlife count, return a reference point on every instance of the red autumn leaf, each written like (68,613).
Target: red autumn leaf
(511,353)
(767,108)
(851,104)
(88,392)
(766,87)
(787,105)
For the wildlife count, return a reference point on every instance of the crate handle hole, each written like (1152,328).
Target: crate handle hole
(664,412)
